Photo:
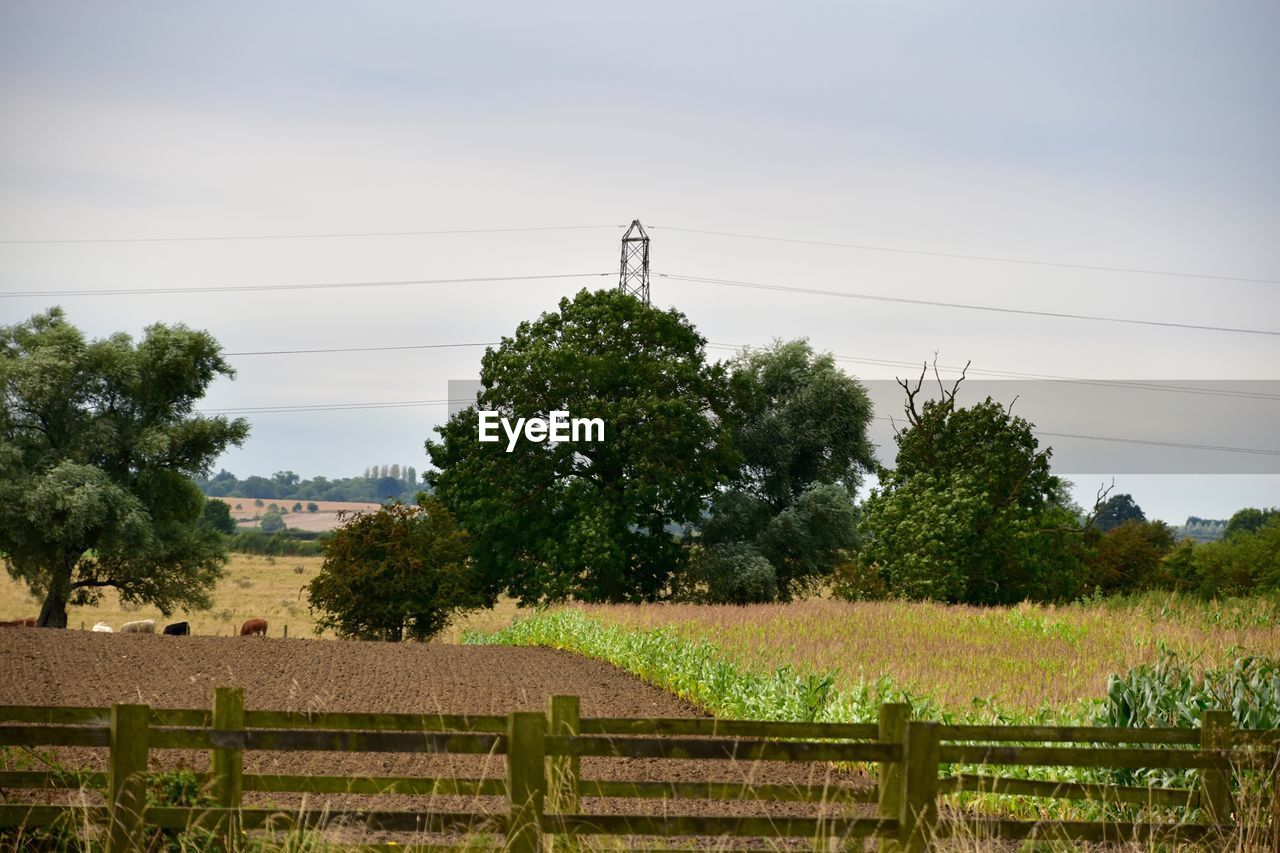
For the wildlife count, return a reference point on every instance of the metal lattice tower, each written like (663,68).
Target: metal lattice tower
(633,277)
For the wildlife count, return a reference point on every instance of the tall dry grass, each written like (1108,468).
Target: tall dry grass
(1023,658)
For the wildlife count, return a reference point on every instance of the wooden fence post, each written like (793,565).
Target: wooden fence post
(1215,783)
(1275,802)
(564,718)
(919,816)
(127,782)
(893,727)
(228,764)
(526,780)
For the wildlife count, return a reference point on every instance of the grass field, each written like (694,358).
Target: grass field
(271,588)
(1021,662)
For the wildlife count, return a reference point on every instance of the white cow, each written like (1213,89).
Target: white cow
(102,628)
(142,626)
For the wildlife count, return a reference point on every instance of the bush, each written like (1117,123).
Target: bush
(272,522)
(403,571)
(853,581)
(730,573)
(1128,557)
(286,543)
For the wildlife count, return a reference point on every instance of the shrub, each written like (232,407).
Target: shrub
(403,571)
(272,522)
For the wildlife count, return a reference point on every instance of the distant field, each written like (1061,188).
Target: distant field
(324,518)
(255,586)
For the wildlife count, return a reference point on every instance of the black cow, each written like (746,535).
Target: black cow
(178,629)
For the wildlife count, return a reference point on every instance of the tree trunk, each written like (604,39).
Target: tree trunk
(53,614)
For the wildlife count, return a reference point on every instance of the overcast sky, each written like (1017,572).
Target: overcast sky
(1136,135)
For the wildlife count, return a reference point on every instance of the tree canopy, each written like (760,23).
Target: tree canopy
(1249,520)
(98,444)
(401,572)
(971,512)
(800,424)
(550,520)
(1115,511)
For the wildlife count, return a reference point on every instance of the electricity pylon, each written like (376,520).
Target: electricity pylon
(633,277)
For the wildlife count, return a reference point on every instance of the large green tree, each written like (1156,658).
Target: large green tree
(98,444)
(591,520)
(971,512)
(403,571)
(1115,511)
(801,425)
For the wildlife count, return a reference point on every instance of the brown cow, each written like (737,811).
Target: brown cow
(254,626)
(28,622)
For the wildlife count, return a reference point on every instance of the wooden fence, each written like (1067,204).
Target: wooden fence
(543,787)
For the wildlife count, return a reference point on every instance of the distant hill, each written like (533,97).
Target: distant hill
(1203,529)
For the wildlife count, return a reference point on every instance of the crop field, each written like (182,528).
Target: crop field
(326,516)
(999,663)
(254,586)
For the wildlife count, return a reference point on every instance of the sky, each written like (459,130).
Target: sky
(1130,149)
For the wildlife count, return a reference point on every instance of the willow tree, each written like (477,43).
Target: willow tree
(99,441)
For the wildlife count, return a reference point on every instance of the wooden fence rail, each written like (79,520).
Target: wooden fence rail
(543,787)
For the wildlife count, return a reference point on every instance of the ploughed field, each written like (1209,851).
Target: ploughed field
(52,667)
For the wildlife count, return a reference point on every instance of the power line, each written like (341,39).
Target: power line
(329,236)
(867,247)
(935,304)
(242,288)
(361,349)
(330,407)
(879,362)
(400,404)
(1048,377)
(1144,441)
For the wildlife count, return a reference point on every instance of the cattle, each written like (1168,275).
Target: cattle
(142,626)
(254,626)
(28,622)
(102,628)
(178,629)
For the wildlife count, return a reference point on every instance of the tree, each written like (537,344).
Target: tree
(1246,562)
(729,573)
(257,487)
(971,513)
(272,522)
(1115,511)
(589,519)
(1249,520)
(284,481)
(98,444)
(1129,556)
(801,425)
(312,506)
(217,514)
(403,571)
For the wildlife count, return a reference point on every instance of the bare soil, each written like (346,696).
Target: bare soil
(51,667)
